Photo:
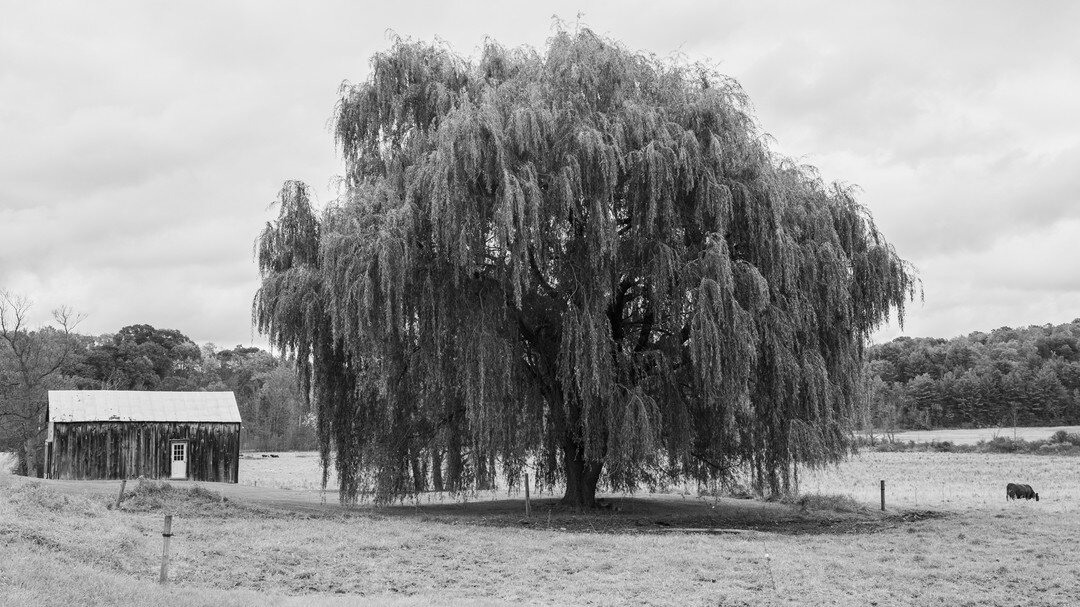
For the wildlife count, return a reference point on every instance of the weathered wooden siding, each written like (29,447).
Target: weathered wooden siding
(115,450)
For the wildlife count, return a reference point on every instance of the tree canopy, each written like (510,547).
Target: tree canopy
(141,357)
(587,261)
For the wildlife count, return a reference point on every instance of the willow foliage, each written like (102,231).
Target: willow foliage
(587,260)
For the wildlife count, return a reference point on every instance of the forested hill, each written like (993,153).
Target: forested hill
(1008,376)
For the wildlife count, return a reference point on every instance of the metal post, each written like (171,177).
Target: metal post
(883,496)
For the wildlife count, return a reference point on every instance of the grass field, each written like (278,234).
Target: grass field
(955,481)
(287,470)
(913,479)
(956,542)
(970,437)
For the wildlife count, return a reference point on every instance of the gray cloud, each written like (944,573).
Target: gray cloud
(143,143)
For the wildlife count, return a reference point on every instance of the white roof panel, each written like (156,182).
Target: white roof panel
(142,406)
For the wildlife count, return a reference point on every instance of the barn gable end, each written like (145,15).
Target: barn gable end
(112,434)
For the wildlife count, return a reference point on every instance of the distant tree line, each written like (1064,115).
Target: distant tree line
(137,357)
(1025,377)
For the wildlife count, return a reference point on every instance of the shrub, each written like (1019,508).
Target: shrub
(150,495)
(897,446)
(32,496)
(1061,443)
(1001,444)
(833,502)
(1063,437)
(1065,448)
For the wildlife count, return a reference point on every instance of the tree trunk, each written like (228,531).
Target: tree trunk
(480,462)
(582,477)
(436,470)
(21,461)
(454,464)
(418,477)
(30,459)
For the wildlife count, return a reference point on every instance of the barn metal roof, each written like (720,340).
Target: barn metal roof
(141,406)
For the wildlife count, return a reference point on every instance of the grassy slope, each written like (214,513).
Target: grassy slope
(73,550)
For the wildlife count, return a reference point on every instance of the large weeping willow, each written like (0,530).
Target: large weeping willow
(586,262)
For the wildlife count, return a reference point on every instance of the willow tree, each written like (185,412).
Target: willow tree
(586,261)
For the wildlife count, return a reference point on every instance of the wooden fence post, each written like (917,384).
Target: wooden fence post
(123,483)
(166,534)
(528,506)
(883,496)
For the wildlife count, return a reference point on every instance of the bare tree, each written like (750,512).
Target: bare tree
(30,364)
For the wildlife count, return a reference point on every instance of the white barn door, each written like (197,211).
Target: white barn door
(179,459)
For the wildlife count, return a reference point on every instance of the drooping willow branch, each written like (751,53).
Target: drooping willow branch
(591,254)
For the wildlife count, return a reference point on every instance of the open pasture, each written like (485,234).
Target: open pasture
(951,481)
(970,547)
(285,470)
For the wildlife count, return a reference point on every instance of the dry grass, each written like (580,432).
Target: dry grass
(913,479)
(28,579)
(953,481)
(973,548)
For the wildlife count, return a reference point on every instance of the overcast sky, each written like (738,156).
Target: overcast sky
(142,143)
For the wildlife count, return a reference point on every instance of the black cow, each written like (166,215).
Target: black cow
(1017,491)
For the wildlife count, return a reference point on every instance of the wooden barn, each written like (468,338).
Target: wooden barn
(113,434)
